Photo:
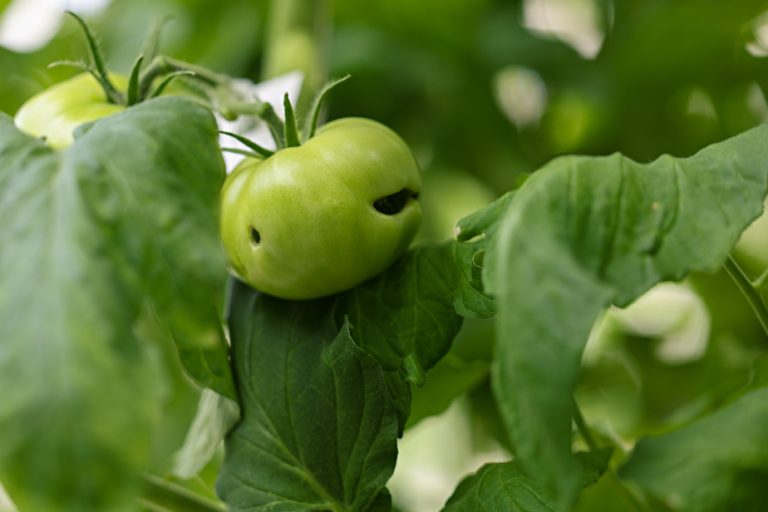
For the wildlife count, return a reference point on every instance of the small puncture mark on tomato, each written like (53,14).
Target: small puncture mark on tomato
(255,236)
(394,203)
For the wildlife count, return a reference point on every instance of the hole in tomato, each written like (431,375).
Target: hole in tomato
(255,236)
(394,203)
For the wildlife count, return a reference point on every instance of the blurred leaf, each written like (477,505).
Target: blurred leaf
(717,463)
(583,233)
(183,254)
(178,394)
(610,494)
(506,487)
(318,431)
(447,196)
(445,382)
(216,415)
(86,239)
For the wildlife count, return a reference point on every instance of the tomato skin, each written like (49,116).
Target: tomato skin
(56,112)
(313,210)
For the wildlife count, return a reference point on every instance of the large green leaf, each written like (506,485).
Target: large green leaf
(715,464)
(167,220)
(86,243)
(583,233)
(318,430)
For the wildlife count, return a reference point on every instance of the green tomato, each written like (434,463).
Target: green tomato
(318,219)
(55,113)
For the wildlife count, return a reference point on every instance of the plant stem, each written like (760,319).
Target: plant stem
(297,40)
(749,290)
(166,495)
(578,418)
(630,495)
(162,65)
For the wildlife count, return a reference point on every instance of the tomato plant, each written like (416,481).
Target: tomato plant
(278,339)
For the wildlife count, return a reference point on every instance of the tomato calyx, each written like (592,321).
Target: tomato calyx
(95,65)
(286,134)
(149,67)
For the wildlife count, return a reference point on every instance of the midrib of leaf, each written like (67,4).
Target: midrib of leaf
(338,441)
(59,252)
(295,463)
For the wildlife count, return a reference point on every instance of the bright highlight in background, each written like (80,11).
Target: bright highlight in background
(575,22)
(28,25)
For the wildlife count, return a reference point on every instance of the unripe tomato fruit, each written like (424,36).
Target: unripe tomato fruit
(317,219)
(56,112)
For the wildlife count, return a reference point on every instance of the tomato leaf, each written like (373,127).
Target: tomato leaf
(506,487)
(168,223)
(718,462)
(484,221)
(583,233)
(86,244)
(446,381)
(407,317)
(318,430)
(413,310)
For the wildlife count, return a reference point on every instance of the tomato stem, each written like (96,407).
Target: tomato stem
(161,494)
(750,291)
(163,65)
(581,425)
(297,39)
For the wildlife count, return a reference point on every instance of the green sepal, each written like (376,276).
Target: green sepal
(310,126)
(77,64)
(167,80)
(244,152)
(291,128)
(274,123)
(133,83)
(97,62)
(259,150)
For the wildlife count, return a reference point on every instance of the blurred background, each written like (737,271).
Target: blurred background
(485,92)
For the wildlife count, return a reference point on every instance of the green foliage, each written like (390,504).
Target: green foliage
(318,430)
(90,237)
(506,487)
(584,233)
(725,449)
(111,275)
